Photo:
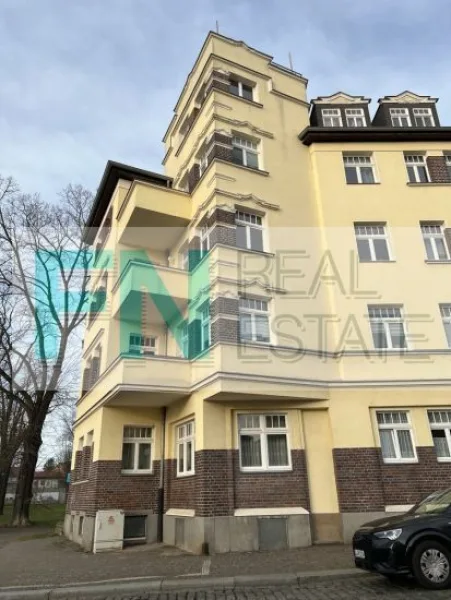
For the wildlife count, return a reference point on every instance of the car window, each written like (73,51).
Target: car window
(437,502)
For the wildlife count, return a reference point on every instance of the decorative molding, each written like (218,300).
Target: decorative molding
(94,342)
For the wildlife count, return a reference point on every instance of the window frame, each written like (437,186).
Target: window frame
(429,114)
(262,431)
(359,166)
(239,86)
(432,237)
(136,441)
(183,442)
(144,337)
(254,312)
(205,233)
(359,113)
(237,143)
(400,113)
(370,238)
(335,113)
(248,225)
(447,156)
(203,313)
(415,165)
(444,425)
(446,319)
(386,326)
(394,427)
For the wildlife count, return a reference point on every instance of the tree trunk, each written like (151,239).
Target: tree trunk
(5,471)
(24,490)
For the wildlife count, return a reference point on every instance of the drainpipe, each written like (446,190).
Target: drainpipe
(160,496)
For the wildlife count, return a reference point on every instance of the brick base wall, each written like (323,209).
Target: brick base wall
(217,488)
(365,483)
(107,488)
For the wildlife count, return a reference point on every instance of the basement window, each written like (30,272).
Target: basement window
(135,528)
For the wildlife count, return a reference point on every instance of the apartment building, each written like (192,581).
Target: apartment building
(266,361)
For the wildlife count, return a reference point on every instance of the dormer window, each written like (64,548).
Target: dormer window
(241,89)
(423,117)
(400,117)
(355,117)
(332,117)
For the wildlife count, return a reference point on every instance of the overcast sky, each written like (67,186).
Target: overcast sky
(84,81)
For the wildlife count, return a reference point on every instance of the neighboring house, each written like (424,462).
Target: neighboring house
(267,355)
(48,487)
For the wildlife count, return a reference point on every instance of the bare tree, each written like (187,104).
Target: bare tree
(44,264)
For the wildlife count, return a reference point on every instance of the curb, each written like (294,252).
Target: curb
(162,584)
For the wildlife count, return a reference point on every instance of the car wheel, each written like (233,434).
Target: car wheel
(431,565)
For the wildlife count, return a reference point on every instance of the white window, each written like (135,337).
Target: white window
(254,320)
(142,344)
(434,241)
(395,433)
(440,423)
(204,241)
(372,242)
(263,442)
(203,163)
(184,340)
(204,316)
(137,449)
(445,311)
(245,152)
(359,169)
(185,449)
(387,326)
(331,117)
(355,117)
(423,117)
(239,88)
(416,168)
(249,231)
(400,117)
(448,164)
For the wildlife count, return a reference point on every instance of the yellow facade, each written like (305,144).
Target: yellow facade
(318,365)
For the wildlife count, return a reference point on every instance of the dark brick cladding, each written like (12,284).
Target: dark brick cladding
(316,117)
(438,169)
(223,306)
(223,235)
(224,330)
(217,488)
(382,117)
(366,483)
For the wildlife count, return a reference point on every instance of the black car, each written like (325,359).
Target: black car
(416,543)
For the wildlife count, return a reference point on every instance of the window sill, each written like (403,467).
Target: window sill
(438,262)
(260,470)
(428,184)
(79,481)
(400,461)
(377,262)
(249,169)
(185,475)
(364,183)
(132,473)
(444,459)
(250,251)
(231,95)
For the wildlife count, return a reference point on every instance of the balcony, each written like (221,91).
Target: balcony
(149,292)
(132,380)
(153,217)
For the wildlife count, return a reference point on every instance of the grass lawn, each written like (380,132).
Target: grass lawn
(42,515)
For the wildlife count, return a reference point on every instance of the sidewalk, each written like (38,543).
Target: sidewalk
(53,561)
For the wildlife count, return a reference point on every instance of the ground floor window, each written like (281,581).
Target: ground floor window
(137,449)
(263,442)
(395,433)
(440,423)
(185,449)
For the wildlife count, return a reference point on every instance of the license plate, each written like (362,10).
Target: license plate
(359,553)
